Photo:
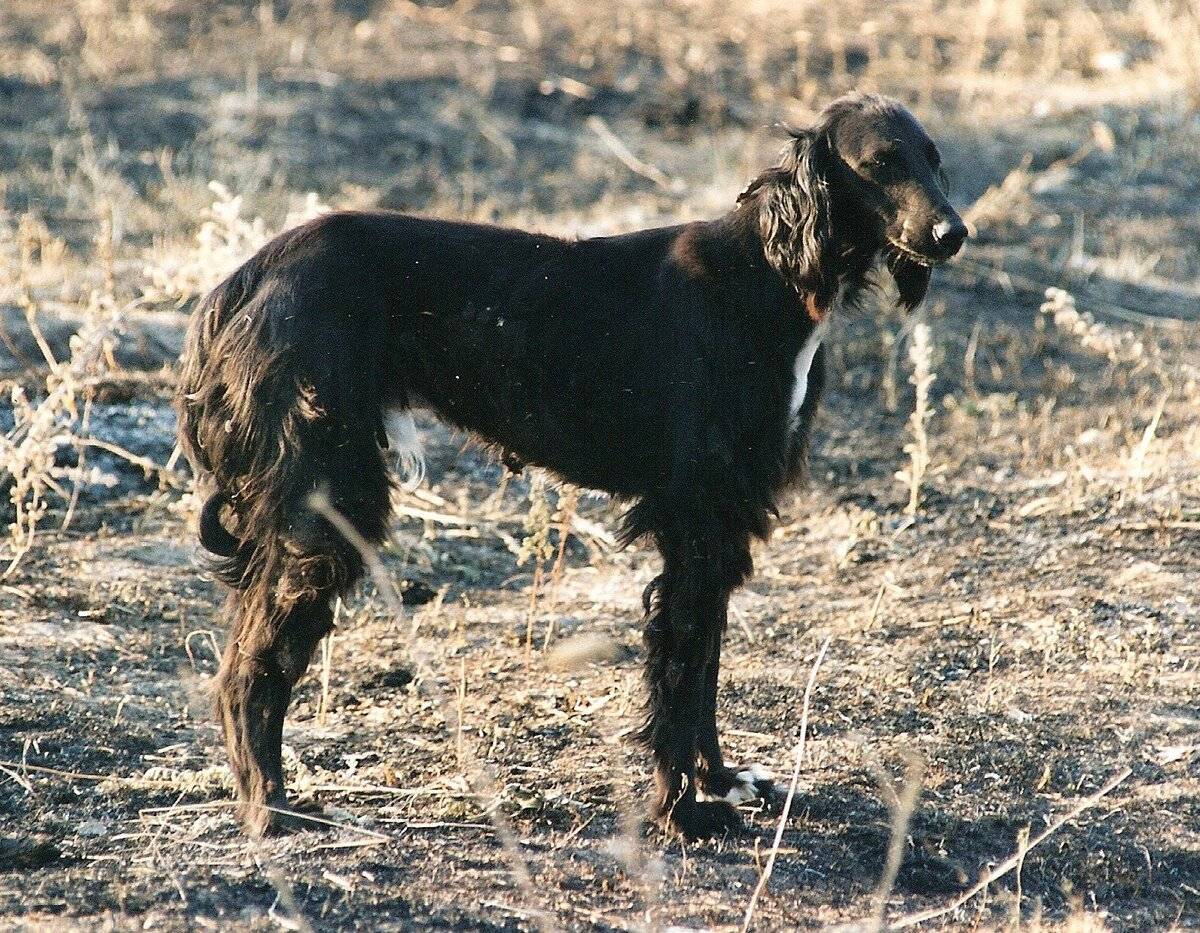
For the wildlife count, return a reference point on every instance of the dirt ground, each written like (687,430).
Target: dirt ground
(1032,632)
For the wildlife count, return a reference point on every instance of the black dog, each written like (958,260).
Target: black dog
(676,368)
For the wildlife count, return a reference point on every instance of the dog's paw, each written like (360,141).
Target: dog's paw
(736,786)
(278,817)
(701,819)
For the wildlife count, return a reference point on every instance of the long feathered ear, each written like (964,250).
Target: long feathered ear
(912,279)
(795,221)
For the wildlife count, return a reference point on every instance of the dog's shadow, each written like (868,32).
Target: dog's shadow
(836,840)
(835,846)
(843,831)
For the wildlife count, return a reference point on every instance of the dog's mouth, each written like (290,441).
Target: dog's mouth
(906,252)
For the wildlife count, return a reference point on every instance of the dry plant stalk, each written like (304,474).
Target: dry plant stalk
(787,804)
(903,806)
(1097,338)
(1017,858)
(887,382)
(1120,348)
(920,352)
(27,452)
(481,780)
(327,664)
(106,253)
(1138,472)
(536,544)
(564,515)
(29,231)
(974,59)
(1008,204)
(80,462)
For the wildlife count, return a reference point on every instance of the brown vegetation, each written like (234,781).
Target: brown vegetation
(1015,618)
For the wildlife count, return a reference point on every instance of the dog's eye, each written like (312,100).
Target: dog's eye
(882,165)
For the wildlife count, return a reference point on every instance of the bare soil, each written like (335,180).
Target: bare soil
(1033,630)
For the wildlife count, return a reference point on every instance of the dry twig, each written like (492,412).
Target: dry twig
(787,805)
(903,805)
(484,783)
(651,172)
(1016,858)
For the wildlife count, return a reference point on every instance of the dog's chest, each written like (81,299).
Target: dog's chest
(801,370)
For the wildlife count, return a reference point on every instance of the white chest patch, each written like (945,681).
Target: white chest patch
(405,445)
(800,369)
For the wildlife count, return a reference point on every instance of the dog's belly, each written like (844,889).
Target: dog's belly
(405,445)
(578,413)
(601,446)
(587,449)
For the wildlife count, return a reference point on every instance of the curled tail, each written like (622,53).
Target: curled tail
(213,535)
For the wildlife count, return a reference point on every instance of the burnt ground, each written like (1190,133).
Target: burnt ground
(1031,632)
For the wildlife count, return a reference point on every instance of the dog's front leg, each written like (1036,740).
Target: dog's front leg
(716,778)
(686,612)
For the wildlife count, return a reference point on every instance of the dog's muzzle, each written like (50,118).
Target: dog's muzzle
(949,236)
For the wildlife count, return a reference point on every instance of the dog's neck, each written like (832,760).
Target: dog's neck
(842,273)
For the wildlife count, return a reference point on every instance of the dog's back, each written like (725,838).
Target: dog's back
(568,353)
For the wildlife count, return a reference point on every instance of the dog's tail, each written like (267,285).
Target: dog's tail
(213,535)
(280,396)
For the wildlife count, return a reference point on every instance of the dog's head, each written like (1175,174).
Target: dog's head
(865,181)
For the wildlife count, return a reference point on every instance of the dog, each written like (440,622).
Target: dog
(677,369)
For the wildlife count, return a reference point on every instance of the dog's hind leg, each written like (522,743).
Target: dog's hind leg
(288,369)
(703,561)
(282,608)
(254,688)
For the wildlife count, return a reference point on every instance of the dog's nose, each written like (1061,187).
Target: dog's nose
(950,235)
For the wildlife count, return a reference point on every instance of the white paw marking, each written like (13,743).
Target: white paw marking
(406,447)
(756,773)
(745,790)
(741,793)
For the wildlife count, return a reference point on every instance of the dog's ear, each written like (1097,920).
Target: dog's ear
(912,279)
(794,216)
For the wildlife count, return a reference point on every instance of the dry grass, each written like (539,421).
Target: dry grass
(922,378)
(1035,629)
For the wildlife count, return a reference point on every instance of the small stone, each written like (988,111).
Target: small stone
(93,828)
